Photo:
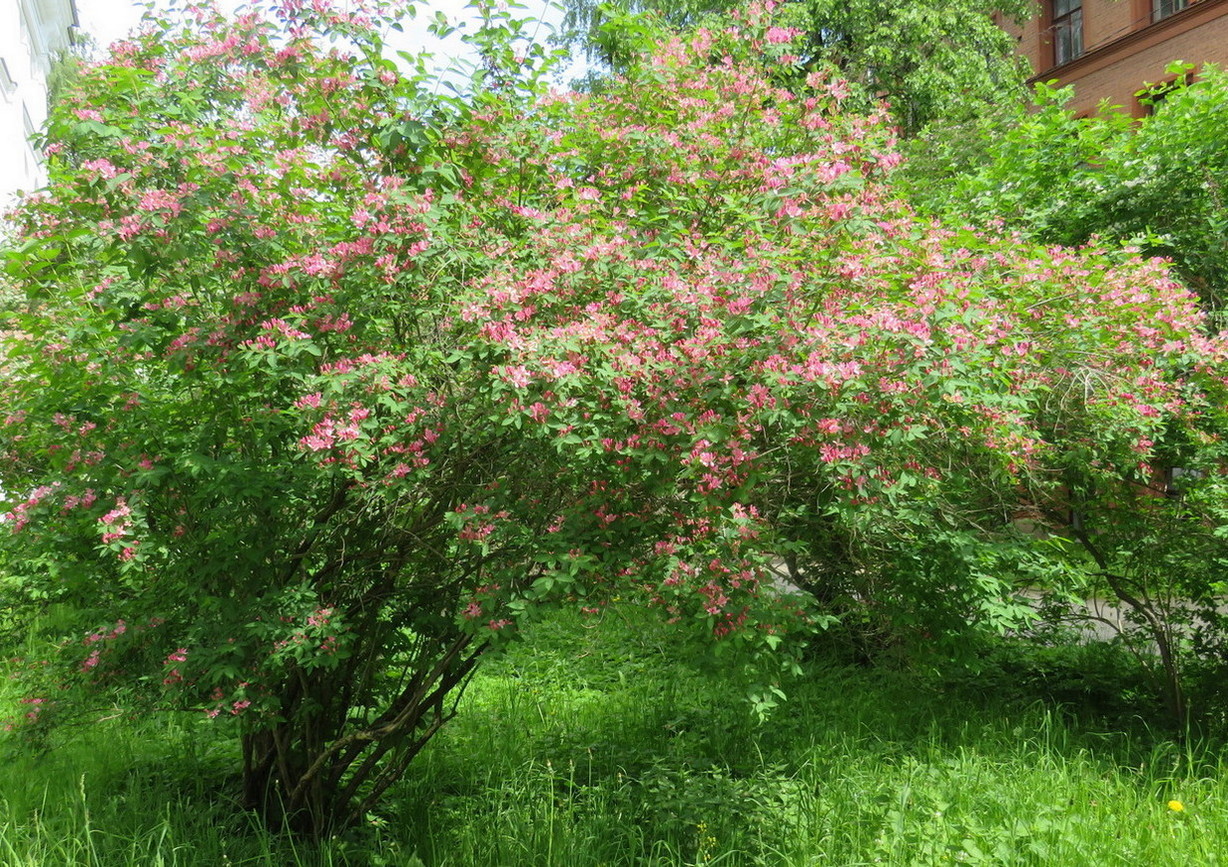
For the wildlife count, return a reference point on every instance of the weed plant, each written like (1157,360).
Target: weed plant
(612,745)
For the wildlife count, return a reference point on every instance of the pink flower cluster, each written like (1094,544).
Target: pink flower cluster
(95,642)
(117,522)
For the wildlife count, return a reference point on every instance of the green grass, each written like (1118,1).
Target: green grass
(612,747)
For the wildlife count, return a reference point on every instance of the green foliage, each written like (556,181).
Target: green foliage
(323,386)
(1152,185)
(930,61)
(213,280)
(1095,681)
(867,764)
(1155,182)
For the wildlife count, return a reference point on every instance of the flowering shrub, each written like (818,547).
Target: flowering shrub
(322,385)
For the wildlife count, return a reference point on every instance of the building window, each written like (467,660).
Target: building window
(1152,96)
(1068,30)
(1164,8)
(1178,480)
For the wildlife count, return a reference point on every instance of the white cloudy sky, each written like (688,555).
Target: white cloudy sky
(109,20)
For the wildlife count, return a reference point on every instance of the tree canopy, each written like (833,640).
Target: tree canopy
(929,60)
(1155,182)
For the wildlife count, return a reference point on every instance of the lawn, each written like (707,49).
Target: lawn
(610,745)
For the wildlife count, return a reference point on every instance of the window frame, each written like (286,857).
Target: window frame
(1161,9)
(1153,93)
(1066,25)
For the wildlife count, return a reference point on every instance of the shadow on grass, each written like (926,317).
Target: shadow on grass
(618,746)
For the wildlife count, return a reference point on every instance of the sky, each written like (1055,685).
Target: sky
(109,20)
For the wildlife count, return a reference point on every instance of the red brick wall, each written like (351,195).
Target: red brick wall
(1123,49)
(1118,81)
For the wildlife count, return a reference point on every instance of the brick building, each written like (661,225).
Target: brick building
(1111,49)
(32,34)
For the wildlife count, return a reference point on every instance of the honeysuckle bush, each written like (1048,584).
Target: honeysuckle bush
(1138,518)
(322,384)
(1154,182)
(1152,542)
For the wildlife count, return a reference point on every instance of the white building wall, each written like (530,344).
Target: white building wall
(32,34)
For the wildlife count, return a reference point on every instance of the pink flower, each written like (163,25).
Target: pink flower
(322,436)
(121,510)
(518,376)
(156,200)
(104,168)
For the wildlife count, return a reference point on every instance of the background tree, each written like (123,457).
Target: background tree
(1156,182)
(928,60)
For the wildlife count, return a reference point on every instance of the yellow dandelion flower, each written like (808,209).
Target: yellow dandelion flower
(1176,806)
